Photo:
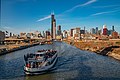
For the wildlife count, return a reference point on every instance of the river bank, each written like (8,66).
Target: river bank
(106,48)
(72,64)
(4,49)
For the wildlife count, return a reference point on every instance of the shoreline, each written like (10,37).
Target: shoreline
(105,48)
(12,48)
(5,49)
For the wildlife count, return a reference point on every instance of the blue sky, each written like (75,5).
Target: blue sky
(31,15)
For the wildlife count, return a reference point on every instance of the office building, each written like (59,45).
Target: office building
(105,30)
(82,31)
(64,34)
(96,30)
(43,34)
(71,32)
(113,28)
(54,29)
(47,34)
(53,26)
(2,37)
(59,30)
(92,31)
(114,35)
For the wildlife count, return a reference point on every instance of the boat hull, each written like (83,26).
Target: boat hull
(34,71)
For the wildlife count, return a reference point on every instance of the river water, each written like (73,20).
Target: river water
(72,64)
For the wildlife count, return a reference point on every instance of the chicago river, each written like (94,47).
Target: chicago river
(72,64)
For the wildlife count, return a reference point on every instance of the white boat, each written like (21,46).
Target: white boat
(40,62)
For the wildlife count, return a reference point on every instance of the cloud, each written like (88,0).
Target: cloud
(81,5)
(89,2)
(7,28)
(107,12)
(108,6)
(44,18)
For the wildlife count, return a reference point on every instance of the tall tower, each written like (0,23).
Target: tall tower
(113,28)
(54,29)
(52,19)
(59,30)
(53,26)
(105,31)
(96,30)
(84,29)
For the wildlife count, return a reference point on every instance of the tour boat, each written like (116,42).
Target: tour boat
(40,62)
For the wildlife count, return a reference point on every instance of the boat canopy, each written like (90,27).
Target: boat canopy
(35,60)
(40,52)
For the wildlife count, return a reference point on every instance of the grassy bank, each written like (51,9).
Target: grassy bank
(108,48)
(4,49)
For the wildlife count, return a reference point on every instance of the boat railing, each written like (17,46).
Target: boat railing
(36,64)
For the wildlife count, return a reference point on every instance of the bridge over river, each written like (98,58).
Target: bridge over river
(72,64)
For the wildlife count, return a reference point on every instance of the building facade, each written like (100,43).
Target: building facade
(2,37)
(114,35)
(54,29)
(53,26)
(105,30)
(52,19)
(92,31)
(64,34)
(59,30)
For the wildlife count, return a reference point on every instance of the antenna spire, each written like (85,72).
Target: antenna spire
(52,13)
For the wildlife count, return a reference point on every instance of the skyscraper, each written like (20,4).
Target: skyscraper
(47,34)
(92,31)
(52,19)
(64,34)
(2,37)
(71,32)
(59,27)
(43,34)
(96,30)
(59,30)
(54,29)
(105,30)
(113,28)
(76,32)
(53,26)
(84,29)
(10,34)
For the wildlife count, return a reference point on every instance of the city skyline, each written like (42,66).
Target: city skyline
(31,15)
